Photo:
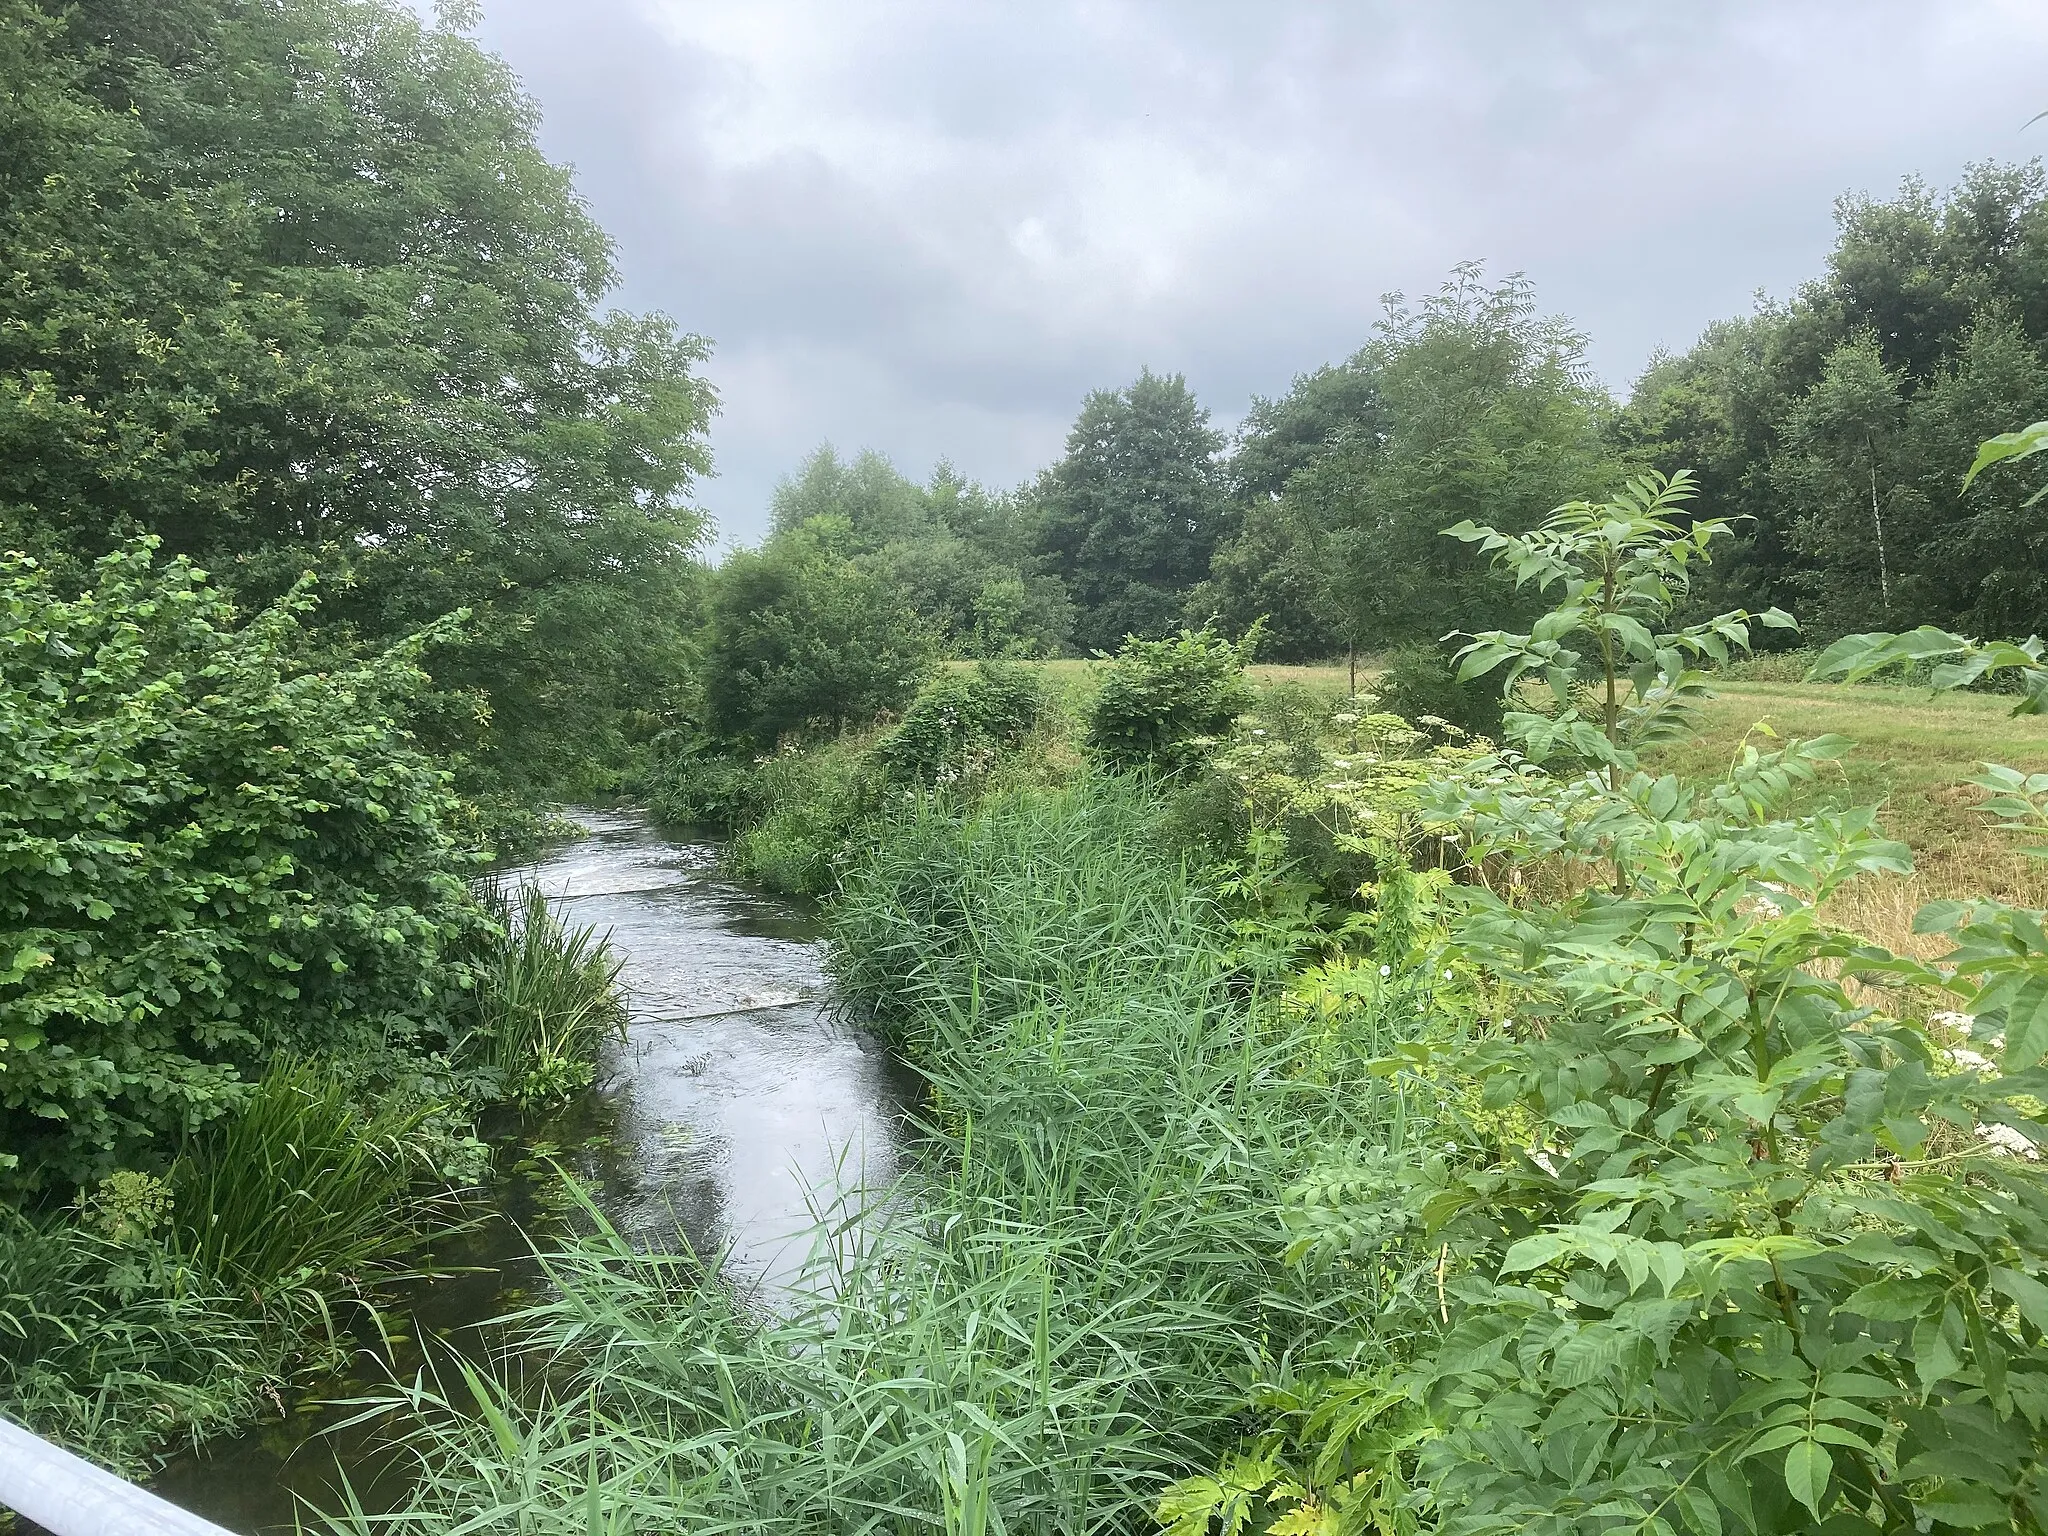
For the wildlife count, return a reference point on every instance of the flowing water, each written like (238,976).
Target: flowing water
(737,1104)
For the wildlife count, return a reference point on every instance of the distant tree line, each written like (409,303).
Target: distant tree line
(1830,425)
(290,287)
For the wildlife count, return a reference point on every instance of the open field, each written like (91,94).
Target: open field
(1913,751)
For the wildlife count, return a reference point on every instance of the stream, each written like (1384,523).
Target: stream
(737,1103)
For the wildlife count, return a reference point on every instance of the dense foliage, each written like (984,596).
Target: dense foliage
(214,853)
(804,639)
(1166,703)
(1132,513)
(1833,423)
(291,287)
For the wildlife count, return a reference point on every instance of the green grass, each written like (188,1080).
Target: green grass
(1085,1259)
(1914,749)
(547,999)
(300,1182)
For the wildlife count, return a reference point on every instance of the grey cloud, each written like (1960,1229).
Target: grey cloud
(930,227)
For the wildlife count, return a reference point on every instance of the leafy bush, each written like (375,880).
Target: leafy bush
(696,783)
(1422,686)
(806,813)
(547,1000)
(960,724)
(209,854)
(805,641)
(1165,703)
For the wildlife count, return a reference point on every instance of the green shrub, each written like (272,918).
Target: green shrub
(209,854)
(696,783)
(804,641)
(806,813)
(961,724)
(1421,685)
(547,1000)
(1165,703)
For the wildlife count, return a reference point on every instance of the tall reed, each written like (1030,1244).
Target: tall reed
(1060,1324)
(548,998)
(300,1182)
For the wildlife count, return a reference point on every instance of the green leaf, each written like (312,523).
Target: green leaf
(1807,1469)
(2023,444)
(2029,1294)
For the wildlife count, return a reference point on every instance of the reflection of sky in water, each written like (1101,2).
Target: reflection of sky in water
(742,1103)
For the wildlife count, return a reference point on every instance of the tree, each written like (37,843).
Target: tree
(959,555)
(804,638)
(292,287)
(1930,299)
(1133,512)
(1489,414)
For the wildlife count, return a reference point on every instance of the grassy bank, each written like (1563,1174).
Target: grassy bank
(1083,1264)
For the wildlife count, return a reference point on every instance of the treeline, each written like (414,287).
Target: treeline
(1831,424)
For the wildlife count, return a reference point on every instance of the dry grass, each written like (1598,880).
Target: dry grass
(1914,750)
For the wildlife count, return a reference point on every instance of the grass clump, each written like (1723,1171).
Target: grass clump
(547,1000)
(1052,1329)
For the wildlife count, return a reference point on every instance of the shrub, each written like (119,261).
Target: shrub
(805,641)
(698,784)
(806,812)
(1164,703)
(1422,686)
(209,853)
(960,724)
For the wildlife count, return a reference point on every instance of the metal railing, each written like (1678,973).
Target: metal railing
(69,1496)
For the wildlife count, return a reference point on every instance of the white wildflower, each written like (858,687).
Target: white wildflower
(2008,1142)
(1386,970)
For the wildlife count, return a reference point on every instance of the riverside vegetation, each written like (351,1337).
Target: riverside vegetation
(1336,1125)
(1501,1090)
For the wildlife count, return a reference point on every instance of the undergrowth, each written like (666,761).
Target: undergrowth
(1059,1330)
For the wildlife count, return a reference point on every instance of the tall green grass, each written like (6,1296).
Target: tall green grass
(301,1181)
(548,998)
(1083,1269)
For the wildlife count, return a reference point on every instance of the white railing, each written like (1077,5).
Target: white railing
(69,1496)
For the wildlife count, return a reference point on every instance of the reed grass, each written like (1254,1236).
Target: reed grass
(548,998)
(300,1182)
(1079,1272)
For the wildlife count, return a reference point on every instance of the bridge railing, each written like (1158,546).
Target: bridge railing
(69,1496)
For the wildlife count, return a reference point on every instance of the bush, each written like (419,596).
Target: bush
(698,784)
(209,854)
(804,641)
(805,813)
(1420,684)
(1164,703)
(961,724)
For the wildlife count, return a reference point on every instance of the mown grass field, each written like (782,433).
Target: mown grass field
(1914,751)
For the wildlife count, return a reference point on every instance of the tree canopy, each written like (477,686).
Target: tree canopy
(291,287)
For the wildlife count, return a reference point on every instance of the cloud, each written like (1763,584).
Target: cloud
(929,228)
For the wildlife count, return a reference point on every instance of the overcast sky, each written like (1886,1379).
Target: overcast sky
(930,228)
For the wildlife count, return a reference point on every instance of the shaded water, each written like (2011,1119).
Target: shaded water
(737,1104)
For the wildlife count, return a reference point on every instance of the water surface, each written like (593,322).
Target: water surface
(737,1105)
